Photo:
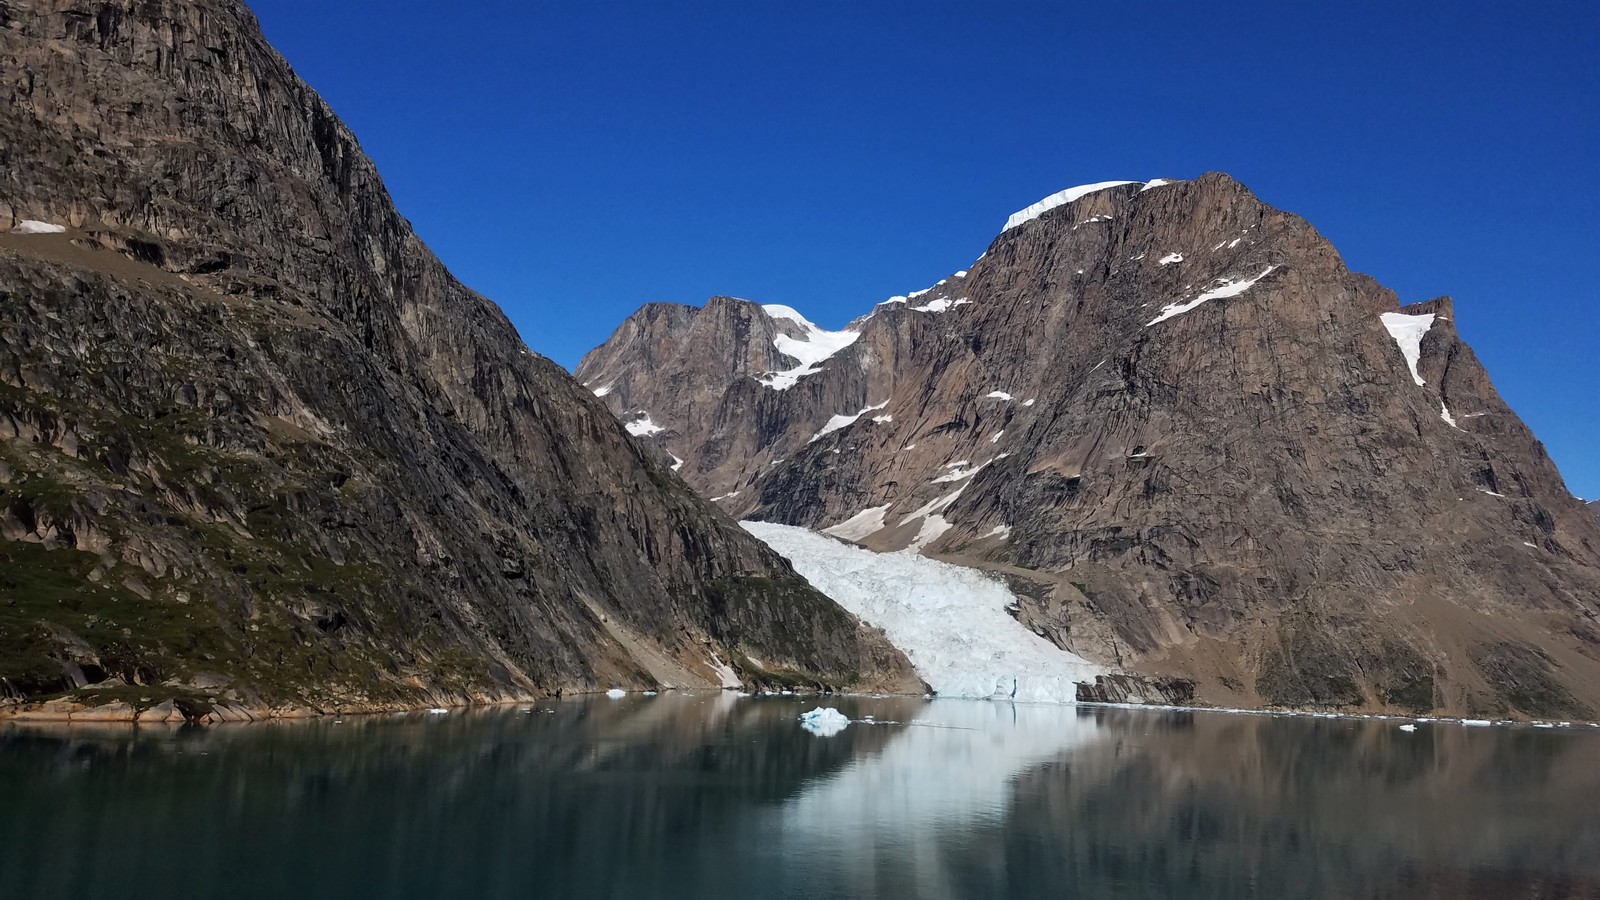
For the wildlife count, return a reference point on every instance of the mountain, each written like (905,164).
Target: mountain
(260,451)
(1196,443)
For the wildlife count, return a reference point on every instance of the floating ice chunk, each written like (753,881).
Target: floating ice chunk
(1408,332)
(824,721)
(616,693)
(1170,258)
(438,711)
(1478,723)
(1408,727)
(1060,198)
(1228,288)
(860,525)
(33,226)
(643,427)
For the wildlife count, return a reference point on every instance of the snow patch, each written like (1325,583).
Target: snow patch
(726,676)
(1408,332)
(998,395)
(602,390)
(1060,198)
(1228,288)
(963,272)
(858,526)
(643,427)
(1170,258)
(882,419)
(810,351)
(1444,413)
(1000,531)
(676,462)
(1159,182)
(997,435)
(951,621)
(34,226)
(958,472)
(838,422)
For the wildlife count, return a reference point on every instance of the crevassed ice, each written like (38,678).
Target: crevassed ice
(810,351)
(951,621)
(1226,289)
(1408,332)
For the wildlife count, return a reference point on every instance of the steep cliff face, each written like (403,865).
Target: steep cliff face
(1215,451)
(258,446)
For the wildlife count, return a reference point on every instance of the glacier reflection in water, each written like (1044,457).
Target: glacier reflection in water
(712,796)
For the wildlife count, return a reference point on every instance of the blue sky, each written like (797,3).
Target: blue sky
(572,160)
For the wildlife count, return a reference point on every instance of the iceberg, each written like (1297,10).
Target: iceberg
(824,721)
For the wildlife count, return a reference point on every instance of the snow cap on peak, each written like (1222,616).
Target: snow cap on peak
(1060,198)
(779,311)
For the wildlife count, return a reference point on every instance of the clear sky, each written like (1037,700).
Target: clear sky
(573,159)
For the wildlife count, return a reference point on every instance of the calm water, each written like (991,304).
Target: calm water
(710,796)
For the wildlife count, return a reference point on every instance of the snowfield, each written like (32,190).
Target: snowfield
(951,621)
(811,352)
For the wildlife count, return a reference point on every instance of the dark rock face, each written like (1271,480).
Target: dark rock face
(1253,491)
(255,440)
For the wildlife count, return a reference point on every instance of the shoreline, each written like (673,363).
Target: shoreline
(67,712)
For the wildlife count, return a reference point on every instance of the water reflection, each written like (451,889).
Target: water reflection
(714,796)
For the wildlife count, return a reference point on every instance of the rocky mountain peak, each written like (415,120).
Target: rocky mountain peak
(257,445)
(1214,450)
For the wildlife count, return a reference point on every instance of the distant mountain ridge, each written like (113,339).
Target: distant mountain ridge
(260,451)
(1199,444)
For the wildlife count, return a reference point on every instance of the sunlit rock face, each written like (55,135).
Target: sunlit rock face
(258,446)
(1198,445)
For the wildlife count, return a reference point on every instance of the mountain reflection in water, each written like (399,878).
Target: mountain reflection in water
(711,796)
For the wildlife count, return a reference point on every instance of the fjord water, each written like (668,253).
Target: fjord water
(713,796)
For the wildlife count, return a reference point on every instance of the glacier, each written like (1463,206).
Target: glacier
(951,621)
